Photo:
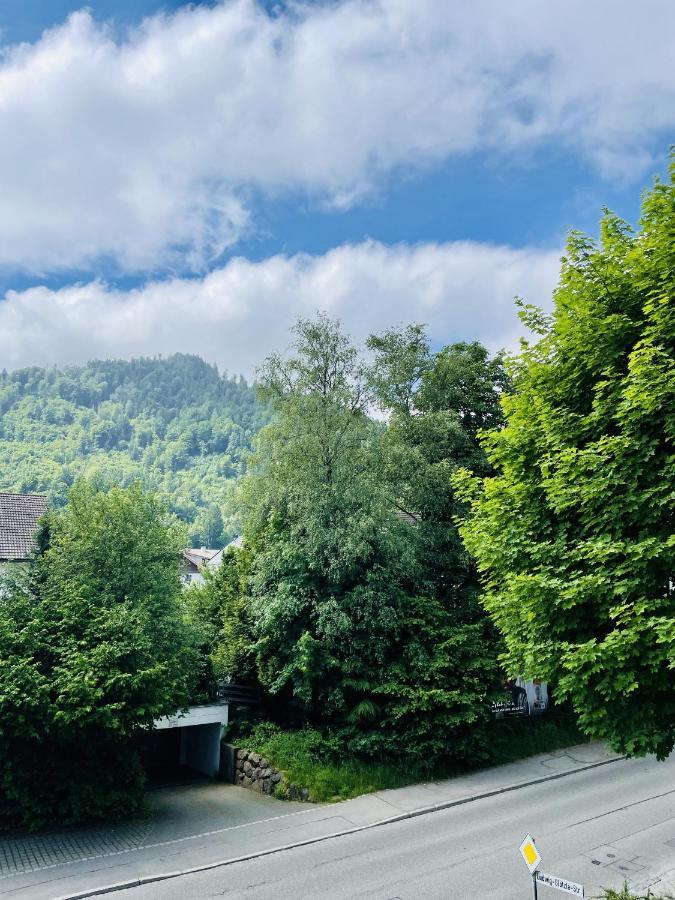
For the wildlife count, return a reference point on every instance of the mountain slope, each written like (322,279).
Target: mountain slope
(175,423)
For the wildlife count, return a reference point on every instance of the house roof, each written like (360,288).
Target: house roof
(19,516)
(199,556)
(217,559)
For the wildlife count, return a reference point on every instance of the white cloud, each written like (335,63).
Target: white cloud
(237,314)
(143,148)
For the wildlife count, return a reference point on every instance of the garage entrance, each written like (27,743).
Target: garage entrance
(187,743)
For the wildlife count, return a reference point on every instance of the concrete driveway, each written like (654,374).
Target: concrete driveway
(175,814)
(192,809)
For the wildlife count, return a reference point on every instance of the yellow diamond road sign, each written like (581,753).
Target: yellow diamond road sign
(530,853)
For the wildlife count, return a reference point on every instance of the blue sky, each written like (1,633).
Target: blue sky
(237,164)
(25,20)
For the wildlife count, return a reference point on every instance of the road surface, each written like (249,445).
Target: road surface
(595,827)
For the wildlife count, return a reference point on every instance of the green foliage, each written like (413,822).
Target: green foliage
(331,558)
(174,424)
(436,403)
(309,761)
(627,894)
(574,534)
(354,620)
(92,649)
(316,761)
(518,738)
(434,421)
(220,611)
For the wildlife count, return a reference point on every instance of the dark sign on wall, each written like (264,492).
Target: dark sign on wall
(521,698)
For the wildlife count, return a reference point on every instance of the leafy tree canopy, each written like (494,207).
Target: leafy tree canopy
(92,649)
(436,404)
(330,554)
(574,532)
(333,597)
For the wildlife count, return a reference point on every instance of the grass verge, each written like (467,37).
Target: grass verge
(310,763)
(626,894)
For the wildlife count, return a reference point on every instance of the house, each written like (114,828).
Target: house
(195,560)
(19,517)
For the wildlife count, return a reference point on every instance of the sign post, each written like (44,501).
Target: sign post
(532,859)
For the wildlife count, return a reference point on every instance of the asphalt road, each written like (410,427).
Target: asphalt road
(596,827)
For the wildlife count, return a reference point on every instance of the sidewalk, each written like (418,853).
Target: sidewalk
(207,825)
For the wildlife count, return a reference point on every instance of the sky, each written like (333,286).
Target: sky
(194,177)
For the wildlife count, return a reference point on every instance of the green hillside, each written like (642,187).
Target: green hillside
(175,423)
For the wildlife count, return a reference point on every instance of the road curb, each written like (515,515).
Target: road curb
(389,820)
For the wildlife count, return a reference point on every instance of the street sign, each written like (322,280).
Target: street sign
(530,853)
(560,884)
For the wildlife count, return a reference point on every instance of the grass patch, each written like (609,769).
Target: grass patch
(626,894)
(309,760)
(309,763)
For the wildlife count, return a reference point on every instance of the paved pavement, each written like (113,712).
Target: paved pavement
(175,815)
(595,827)
(203,824)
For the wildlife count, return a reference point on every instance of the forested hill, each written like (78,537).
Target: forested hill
(175,423)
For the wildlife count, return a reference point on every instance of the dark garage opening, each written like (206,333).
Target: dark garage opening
(160,755)
(175,755)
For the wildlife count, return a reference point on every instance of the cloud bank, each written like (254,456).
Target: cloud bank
(145,149)
(237,314)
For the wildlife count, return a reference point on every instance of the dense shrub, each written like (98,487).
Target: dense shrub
(318,761)
(92,649)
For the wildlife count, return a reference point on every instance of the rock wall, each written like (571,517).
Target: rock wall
(255,772)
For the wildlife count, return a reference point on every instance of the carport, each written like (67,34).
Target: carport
(195,741)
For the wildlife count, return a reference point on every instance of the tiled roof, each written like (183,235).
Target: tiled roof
(19,514)
(198,556)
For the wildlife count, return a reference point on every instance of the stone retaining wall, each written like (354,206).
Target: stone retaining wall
(255,772)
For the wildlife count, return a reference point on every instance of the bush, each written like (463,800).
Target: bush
(313,761)
(516,739)
(92,649)
(317,762)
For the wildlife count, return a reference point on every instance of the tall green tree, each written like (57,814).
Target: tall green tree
(208,530)
(574,533)
(219,610)
(331,556)
(341,625)
(436,404)
(92,649)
